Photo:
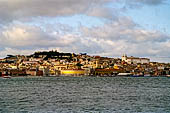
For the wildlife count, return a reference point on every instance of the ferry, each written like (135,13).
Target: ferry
(6,76)
(147,75)
(137,76)
(124,74)
(167,75)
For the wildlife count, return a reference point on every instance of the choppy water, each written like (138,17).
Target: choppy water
(85,94)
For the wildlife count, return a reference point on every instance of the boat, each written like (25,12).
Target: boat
(6,76)
(137,76)
(167,75)
(147,75)
(124,74)
(52,76)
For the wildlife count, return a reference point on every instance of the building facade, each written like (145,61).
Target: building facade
(135,60)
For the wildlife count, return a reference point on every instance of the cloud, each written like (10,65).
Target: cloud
(25,9)
(20,37)
(148,2)
(112,39)
(124,36)
(13,51)
(103,12)
(141,3)
(8,51)
(27,36)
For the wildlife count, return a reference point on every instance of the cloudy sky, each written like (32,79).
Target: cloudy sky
(97,27)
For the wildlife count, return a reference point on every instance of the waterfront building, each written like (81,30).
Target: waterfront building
(55,63)
(34,72)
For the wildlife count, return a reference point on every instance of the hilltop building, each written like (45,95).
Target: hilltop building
(135,60)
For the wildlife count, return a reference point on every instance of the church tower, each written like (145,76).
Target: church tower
(124,57)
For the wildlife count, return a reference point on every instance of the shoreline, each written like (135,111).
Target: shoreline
(90,76)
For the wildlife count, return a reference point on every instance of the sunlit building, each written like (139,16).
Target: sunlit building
(135,60)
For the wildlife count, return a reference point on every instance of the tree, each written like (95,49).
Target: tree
(79,65)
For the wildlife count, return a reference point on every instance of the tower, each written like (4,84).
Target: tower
(124,57)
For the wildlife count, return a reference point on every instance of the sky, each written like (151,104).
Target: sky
(108,28)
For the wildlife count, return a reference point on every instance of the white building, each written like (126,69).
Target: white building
(135,60)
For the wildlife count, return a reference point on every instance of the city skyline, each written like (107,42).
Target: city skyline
(54,63)
(97,27)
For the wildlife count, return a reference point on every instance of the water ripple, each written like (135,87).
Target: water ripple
(84,95)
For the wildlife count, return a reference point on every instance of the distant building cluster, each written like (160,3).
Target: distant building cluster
(135,60)
(54,63)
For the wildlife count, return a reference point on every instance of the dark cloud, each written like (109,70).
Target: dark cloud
(141,3)
(149,2)
(24,9)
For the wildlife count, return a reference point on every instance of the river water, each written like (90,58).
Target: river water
(85,95)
